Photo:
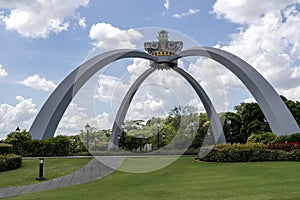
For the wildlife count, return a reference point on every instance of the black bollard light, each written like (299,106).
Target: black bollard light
(41,176)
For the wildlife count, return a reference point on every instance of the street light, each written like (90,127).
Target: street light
(192,129)
(72,144)
(87,127)
(163,139)
(158,126)
(140,137)
(18,129)
(266,124)
(121,134)
(95,140)
(228,121)
(41,170)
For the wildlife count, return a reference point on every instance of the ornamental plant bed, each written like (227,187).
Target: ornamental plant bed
(10,162)
(253,153)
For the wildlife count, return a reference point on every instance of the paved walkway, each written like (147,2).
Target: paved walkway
(92,171)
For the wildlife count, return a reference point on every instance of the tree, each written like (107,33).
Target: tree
(252,120)
(294,107)
(232,130)
(19,140)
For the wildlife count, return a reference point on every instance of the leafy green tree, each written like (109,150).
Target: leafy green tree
(232,130)
(19,140)
(252,120)
(294,107)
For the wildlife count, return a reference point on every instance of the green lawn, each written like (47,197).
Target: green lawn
(188,179)
(53,168)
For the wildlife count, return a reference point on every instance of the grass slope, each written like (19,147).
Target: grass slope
(187,179)
(53,168)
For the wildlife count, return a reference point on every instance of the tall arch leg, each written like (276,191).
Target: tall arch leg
(215,123)
(49,116)
(211,112)
(121,114)
(279,117)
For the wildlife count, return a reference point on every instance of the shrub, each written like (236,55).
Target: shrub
(285,146)
(254,155)
(265,138)
(10,162)
(5,148)
(241,146)
(58,146)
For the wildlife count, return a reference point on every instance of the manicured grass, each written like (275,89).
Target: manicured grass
(188,179)
(53,168)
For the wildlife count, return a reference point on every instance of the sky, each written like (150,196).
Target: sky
(42,41)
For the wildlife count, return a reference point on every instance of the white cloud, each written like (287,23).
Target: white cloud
(215,80)
(82,22)
(76,117)
(189,12)
(36,82)
(22,115)
(37,19)
(268,40)
(250,100)
(3,72)
(159,93)
(248,11)
(167,4)
(106,36)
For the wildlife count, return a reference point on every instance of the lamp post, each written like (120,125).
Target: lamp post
(158,126)
(266,124)
(228,121)
(95,140)
(163,139)
(41,170)
(122,133)
(192,130)
(18,129)
(72,145)
(140,137)
(87,127)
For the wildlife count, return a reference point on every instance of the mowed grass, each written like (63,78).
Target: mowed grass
(53,168)
(188,179)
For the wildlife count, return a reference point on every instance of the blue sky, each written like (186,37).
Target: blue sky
(43,41)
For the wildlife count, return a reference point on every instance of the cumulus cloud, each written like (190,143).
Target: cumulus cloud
(159,93)
(3,72)
(167,4)
(36,82)
(250,100)
(76,117)
(184,14)
(22,115)
(268,39)
(106,36)
(82,22)
(37,19)
(248,11)
(215,80)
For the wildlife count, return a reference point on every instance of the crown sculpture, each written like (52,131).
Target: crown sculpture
(163,49)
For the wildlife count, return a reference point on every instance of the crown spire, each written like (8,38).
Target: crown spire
(163,47)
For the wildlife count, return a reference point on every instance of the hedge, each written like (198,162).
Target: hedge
(10,162)
(5,148)
(269,138)
(58,146)
(254,155)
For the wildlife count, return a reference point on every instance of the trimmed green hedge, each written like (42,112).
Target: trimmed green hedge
(10,162)
(5,148)
(254,155)
(269,138)
(58,146)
